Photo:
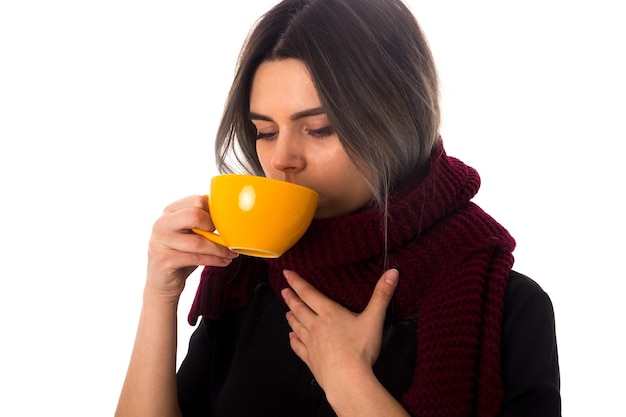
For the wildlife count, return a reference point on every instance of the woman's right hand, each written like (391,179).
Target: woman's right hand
(175,251)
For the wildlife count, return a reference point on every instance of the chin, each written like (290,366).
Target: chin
(322,214)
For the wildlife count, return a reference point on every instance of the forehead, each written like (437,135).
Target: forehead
(282,85)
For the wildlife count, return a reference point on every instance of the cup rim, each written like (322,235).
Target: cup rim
(274,180)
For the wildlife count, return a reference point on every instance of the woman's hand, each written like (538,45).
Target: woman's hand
(336,344)
(175,251)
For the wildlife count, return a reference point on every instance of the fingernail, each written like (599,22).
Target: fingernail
(391,276)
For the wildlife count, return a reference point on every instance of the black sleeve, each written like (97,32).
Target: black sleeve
(530,367)
(193,375)
(205,368)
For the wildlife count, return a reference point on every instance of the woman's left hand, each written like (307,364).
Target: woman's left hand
(335,343)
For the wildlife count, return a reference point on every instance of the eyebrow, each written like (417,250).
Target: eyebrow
(296,116)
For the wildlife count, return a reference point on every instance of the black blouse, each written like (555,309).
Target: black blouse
(242,364)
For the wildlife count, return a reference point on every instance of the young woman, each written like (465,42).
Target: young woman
(399,300)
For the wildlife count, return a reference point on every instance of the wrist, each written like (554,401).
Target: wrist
(153,298)
(358,392)
(347,381)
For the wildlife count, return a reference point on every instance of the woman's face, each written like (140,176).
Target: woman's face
(295,141)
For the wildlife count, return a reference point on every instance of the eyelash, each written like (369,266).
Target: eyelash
(316,133)
(321,132)
(260,136)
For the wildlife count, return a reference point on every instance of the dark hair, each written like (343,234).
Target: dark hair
(374,74)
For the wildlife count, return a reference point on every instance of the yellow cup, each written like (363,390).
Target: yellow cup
(258,216)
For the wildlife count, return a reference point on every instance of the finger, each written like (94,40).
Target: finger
(199,201)
(172,231)
(297,327)
(299,310)
(195,245)
(185,260)
(185,219)
(299,348)
(383,293)
(308,294)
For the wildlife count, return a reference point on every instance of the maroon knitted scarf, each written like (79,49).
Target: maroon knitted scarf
(454,261)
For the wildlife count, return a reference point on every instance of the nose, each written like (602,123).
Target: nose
(287,154)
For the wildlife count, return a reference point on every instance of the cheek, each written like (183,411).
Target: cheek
(263,154)
(343,193)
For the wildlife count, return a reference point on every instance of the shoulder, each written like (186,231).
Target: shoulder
(520,283)
(522,291)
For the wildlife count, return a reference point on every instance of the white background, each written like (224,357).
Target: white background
(108,112)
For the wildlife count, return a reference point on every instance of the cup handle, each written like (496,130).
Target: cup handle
(213,237)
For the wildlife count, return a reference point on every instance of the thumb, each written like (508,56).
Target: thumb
(383,292)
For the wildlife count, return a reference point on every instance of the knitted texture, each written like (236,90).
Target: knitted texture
(453,259)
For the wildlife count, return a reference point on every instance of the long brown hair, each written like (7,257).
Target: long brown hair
(373,71)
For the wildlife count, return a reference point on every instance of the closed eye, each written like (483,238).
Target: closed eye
(261,136)
(321,132)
